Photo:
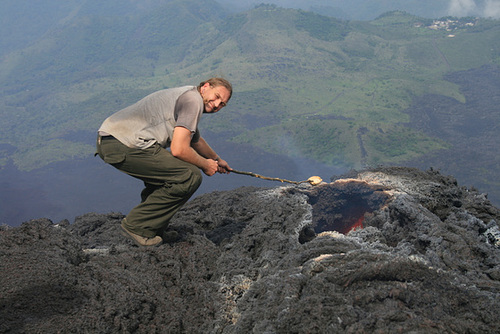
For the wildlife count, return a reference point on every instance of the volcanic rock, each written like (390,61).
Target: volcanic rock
(384,250)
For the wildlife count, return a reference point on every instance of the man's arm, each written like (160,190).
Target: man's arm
(181,148)
(202,147)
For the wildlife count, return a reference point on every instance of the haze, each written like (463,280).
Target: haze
(369,9)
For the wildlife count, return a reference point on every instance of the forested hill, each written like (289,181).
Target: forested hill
(339,92)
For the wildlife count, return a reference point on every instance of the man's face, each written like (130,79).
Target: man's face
(214,98)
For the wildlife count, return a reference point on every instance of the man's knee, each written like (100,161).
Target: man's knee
(196,178)
(185,186)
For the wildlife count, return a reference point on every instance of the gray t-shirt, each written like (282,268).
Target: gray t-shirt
(153,119)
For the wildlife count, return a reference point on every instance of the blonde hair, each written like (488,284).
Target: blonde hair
(215,82)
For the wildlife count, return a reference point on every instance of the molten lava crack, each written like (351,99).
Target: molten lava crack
(341,206)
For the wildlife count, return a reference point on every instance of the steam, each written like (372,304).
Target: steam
(484,8)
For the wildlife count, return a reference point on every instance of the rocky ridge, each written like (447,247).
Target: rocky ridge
(384,250)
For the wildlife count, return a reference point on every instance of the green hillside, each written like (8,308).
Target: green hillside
(305,84)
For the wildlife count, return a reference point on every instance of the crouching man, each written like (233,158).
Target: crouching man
(134,140)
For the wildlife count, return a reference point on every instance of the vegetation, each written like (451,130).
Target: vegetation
(305,84)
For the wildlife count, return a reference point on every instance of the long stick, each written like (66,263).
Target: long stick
(313,182)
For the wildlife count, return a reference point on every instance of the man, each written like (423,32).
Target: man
(134,139)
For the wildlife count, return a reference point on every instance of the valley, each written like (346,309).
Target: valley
(333,94)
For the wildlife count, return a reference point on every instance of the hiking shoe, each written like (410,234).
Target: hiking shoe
(140,240)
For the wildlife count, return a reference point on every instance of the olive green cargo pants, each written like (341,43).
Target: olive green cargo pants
(169,183)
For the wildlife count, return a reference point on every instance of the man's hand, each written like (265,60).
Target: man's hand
(211,167)
(223,167)
(202,147)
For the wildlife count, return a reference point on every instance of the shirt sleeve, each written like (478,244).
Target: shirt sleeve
(196,136)
(188,109)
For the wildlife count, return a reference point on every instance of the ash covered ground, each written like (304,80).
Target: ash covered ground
(388,250)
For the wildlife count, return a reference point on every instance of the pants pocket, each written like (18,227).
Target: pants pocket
(111,151)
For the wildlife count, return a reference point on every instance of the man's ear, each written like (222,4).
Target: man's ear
(206,85)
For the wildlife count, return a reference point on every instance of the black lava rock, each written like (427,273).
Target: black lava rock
(386,250)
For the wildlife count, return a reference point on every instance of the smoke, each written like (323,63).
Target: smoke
(483,8)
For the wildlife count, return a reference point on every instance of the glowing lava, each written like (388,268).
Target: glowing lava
(341,206)
(357,225)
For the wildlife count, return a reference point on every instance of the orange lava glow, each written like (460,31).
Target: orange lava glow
(358,225)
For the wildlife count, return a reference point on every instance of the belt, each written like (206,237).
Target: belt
(107,137)
(102,138)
